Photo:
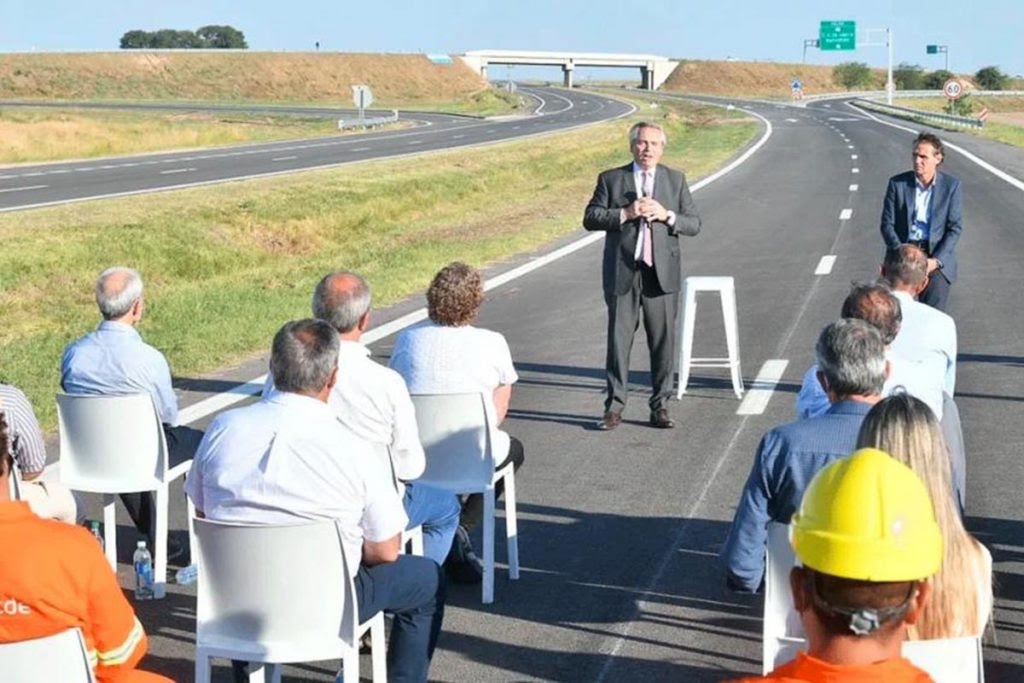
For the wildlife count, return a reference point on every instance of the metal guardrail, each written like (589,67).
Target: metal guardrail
(917,114)
(368,121)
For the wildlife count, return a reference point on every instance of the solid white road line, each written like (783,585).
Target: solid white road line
(176,170)
(22,189)
(208,406)
(854,187)
(756,400)
(845,214)
(825,265)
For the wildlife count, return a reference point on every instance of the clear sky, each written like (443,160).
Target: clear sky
(978,33)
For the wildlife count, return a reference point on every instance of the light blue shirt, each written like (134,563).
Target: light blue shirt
(920,228)
(113,359)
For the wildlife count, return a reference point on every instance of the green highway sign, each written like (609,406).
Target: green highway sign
(932,49)
(838,35)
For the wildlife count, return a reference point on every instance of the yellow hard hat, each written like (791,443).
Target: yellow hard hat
(870,518)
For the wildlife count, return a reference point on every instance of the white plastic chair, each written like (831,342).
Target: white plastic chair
(116,444)
(726,289)
(947,660)
(14,482)
(60,657)
(456,433)
(412,539)
(279,594)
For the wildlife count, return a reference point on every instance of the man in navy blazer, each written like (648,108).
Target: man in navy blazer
(924,207)
(643,207)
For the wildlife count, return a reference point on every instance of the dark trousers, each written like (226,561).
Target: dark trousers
(182,443)
(936,294)
(473,508)
(659,310)
(412,589)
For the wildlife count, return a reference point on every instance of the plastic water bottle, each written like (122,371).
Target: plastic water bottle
(186,575)
(143,572)
(94,529)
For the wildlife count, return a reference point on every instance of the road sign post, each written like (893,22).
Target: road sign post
(937,50)
(809,42)
(837,35)
(362,97)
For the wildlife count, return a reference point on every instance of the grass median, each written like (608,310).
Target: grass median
(225,266)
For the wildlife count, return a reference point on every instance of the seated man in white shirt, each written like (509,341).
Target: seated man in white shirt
(448,355)
(287,457)
(113,359)
(372,402)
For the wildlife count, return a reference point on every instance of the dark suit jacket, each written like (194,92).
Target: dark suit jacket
(946,217)
(616,189)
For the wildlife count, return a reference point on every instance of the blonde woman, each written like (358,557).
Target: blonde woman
(961,601)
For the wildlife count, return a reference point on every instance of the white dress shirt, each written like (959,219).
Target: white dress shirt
(372,401)
(638,180)
(920,227)
(438,359)
(928,336)
(287,458)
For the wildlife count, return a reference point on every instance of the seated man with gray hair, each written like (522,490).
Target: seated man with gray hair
(852,369)
(288,458)
(113,359)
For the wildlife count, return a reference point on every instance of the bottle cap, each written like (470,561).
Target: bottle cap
(140,544)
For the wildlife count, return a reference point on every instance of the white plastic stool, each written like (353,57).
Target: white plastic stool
(726,289)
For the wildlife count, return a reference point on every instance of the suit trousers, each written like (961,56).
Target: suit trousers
(660,311)
(936,294)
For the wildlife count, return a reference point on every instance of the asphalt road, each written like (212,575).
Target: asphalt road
(30,186)
(619,532)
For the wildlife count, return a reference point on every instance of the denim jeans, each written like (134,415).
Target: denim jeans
(438,512)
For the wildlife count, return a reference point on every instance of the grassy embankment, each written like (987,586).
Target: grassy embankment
(1005,121)
(755,79)
(225,266)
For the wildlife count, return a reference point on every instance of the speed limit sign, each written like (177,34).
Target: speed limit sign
(953,89)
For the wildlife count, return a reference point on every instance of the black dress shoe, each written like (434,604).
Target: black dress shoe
(661,420)
(610,421)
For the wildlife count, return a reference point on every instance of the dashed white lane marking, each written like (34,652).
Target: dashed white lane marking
(361,149)
(845,214)
(849,147)
(458,137)
(791,121)
(853,156)
(854,170)
(756,400)
(23,189)
(177,170)
(415,142)
(854,187)
(825,265)
(284,158)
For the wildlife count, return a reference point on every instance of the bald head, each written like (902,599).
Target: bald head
(342,299)
(118,290)
(906,268)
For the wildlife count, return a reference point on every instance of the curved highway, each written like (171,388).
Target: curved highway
(31,186)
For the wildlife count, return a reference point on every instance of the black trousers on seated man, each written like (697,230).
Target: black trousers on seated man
(182,443)
(411,588)
(660,311)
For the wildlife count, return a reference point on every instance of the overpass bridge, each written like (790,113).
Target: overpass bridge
(654,70)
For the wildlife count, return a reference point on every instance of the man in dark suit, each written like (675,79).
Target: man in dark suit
(924,207)
(644,207)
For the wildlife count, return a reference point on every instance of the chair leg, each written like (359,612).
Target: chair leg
(379,656)
(257,672)
(192,557)
(511,525)
(202,667)
(110,530)
(350,665)
(417,542)
(729,318)
(160,541)
(686,338)
(275,672)
(488,583)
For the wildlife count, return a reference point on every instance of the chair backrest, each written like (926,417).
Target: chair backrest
(948,660)
(283,587)
(110,444)
(783,633)
(455,430)
(60,657)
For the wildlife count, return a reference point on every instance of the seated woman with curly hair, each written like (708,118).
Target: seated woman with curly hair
(448,355)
